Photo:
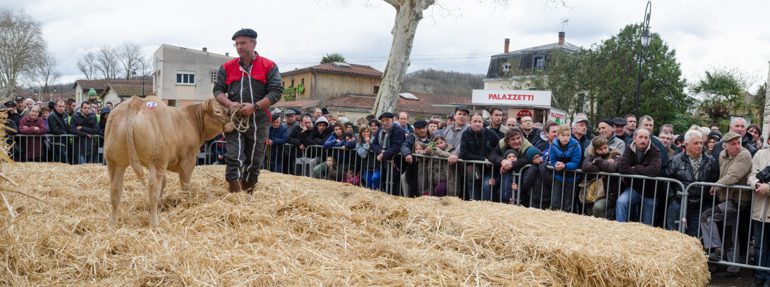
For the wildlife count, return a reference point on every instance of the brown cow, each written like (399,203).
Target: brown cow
(147,133)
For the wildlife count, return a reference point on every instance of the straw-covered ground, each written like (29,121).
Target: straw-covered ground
(305,232)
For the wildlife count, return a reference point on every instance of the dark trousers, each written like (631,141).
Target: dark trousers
(246,151)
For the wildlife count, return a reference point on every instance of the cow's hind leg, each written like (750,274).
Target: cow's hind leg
(185,176)
(116,190)
(156,179)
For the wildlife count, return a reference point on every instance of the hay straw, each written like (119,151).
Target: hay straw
(304,232)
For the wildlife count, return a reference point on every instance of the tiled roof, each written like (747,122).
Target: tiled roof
(99,85)
(339,68)
(131,89)
(425,103)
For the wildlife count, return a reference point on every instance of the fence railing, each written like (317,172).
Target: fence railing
(725,226)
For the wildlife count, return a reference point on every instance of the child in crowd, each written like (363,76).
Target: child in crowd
(565,157)
(352,178)
(330,169)
(439,148)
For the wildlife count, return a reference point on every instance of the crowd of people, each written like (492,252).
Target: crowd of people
(57,131)
(550,166)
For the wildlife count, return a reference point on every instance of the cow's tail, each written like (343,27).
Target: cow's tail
(133,157)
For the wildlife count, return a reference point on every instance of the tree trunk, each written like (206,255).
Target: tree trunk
(408,15)
(766,112)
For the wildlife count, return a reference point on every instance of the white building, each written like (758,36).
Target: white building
(185,76)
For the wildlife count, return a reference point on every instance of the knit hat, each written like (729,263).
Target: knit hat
(509,152)
(715,135)
(531,153)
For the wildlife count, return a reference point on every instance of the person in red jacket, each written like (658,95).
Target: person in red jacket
(249,84)
(32,125)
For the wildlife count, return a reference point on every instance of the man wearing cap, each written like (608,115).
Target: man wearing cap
(606,131)
(580,133)
(411,169)
(734,167)
(248,85)
(453,135)
(386,145)
(620,129)
(738,126)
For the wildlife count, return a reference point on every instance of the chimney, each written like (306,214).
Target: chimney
(205,50)
(561,38)
(507,44)
(227,54)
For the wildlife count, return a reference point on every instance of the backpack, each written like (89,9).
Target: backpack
(592,190)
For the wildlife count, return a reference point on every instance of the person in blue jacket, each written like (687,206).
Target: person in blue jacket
(565,157)
(386,145)
(277,136)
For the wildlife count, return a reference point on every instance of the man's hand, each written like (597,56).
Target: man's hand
(712,190)
(763,188)
(453,159)
(247,109)
(409,158)
(506,165)
(302,147)
(269,142)
(379,157)
(89,136)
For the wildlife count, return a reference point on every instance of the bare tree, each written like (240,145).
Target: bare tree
(87,65)
(408,15)
(130,56)
(107,62)
(21,46)
(46,74)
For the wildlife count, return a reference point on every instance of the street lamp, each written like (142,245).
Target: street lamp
(645,41)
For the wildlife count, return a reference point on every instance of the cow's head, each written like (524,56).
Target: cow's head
(214,117)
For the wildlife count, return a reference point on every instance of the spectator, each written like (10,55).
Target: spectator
(649,124)
(296,137)
(45,112)
(351,178)
(530,132)
(291,120)
(496,122)
(278,135)
(713,138)
(602,157)
(477,144)
(85,128)
(541,193)
(374,125)
(71,109)
(440,170)
(619,124)
(566,154)
(433,127)
(667,140)
(515,143)
(640,158)
(453,136)
(103,120)
(317,113)
(387,144)
(511,123)
(403,120)
(692,165)
(326,170)
(371,175)
(314,140)
(581,135)
(336,144)
(606,131)
(349,128)
(630,128)
(362,122)
(714,128)
(759,179)
(756,134)
(667,128)
(33,126)
(413,166)
(734,167)
(57,125)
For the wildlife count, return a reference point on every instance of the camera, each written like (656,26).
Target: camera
(764,175)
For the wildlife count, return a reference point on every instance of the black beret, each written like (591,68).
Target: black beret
(619,122)
(324,111)
(420,124)
(290,112)
(387,115)
(246,33)
(463,108)
(609,122)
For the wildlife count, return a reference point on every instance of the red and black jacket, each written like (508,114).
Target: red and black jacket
(264,80)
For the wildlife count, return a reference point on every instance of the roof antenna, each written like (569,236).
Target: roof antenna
(564,23)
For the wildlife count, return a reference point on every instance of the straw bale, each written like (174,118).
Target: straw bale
(306,232)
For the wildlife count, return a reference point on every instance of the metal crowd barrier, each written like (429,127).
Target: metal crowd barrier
(70,149)
(725,224)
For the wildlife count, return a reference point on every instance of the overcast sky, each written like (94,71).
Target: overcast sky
(455,35)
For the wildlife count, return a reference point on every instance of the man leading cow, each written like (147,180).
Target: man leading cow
(247,85)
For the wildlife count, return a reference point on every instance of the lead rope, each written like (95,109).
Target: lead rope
(240,123)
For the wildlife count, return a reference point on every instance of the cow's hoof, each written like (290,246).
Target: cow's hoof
(234,186)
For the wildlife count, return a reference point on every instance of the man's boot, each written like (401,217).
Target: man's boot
(248,187)
(234,186)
